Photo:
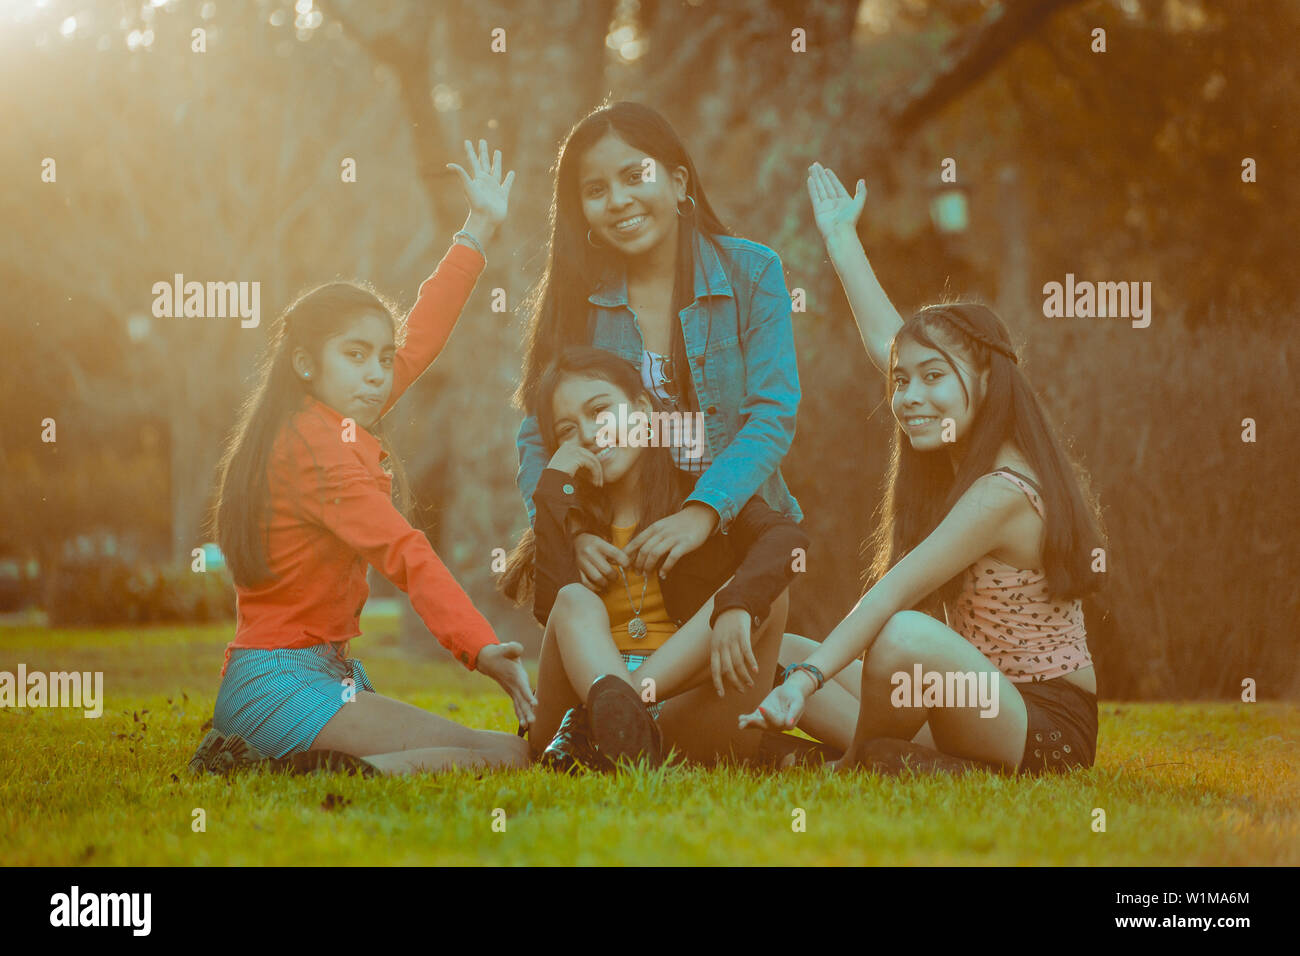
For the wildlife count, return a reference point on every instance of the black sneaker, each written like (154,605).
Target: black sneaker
(570,749)
(621,727)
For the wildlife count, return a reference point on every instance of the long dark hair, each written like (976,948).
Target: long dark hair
(922,487)
(557,307)
(238,518)
(661,485)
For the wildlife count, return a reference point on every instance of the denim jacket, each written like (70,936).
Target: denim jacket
(740,347)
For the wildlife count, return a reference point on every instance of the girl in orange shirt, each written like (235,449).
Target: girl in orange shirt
(305,503)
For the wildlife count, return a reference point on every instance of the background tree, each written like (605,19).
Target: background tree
(1122,165)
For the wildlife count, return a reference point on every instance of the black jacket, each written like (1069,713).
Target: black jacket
(758,549)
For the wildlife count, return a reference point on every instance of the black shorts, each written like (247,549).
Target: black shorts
(1062,732)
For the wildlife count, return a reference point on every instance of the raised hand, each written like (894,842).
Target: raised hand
(488,195)
(833,207)
(571,458)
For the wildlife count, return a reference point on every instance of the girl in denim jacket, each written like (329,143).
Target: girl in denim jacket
(640,266)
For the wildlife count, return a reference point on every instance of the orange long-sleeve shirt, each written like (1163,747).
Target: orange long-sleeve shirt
(332,511)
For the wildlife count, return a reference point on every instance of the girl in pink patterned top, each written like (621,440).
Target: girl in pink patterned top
(1009,615)
(987,525)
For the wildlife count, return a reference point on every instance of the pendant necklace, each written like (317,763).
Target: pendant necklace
(636,628)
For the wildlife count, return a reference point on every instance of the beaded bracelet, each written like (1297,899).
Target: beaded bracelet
(472,241)
(817,675)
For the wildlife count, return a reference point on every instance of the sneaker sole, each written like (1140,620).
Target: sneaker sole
(620,726)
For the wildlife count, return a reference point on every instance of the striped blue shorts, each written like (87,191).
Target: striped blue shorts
(279,700)
(633,660)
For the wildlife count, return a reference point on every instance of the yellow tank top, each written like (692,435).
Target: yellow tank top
(659,625)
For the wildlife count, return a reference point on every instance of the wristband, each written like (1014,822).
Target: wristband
(472,241)
(817,675)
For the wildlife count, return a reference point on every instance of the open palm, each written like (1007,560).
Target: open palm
(833,207)
(780,710)
(488,195)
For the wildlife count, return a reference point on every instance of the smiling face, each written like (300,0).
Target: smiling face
(624,210)
(928,390)
(577,405)
(355,375)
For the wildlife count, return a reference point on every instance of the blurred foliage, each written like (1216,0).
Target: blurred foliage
(1123,165)
(103,593)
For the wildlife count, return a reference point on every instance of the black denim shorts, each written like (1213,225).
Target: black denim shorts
(1062,732)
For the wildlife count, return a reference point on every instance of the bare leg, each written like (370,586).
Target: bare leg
(581,627)
(428,759)
(832,712)
(555,695)
(580,614)
(373,724)
(699,723)
(909,638)
(577,649)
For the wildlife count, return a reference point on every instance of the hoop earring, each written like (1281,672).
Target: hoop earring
(693,206)
(595,245)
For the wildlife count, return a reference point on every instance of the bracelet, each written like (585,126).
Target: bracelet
(472,241)
(817,675)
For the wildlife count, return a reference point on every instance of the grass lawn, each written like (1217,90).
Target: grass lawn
(1180,784)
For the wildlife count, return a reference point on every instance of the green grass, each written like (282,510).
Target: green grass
(1181,784)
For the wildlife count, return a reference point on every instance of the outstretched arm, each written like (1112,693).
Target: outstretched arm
(444,294)
(836,213)
(976,525)
(340,495)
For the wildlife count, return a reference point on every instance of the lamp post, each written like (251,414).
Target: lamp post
(949,210)
(950,219)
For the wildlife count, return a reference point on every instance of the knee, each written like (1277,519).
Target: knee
(575,599)
(899,642)
(518,752)
(796,648)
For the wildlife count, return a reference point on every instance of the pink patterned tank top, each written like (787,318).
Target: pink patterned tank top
(1010,618)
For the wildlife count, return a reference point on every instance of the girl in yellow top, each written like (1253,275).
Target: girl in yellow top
(636,596)
(693,625)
